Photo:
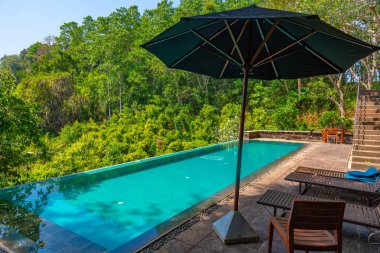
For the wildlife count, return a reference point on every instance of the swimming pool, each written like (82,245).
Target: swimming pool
(120,208)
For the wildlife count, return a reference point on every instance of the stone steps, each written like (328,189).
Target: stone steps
(366,115)
(367,127)
(366,101)
(369,103)
(367,142)
(366,132)
(364,166)
(364,94)
(369,98)
(368,147)
(368,119)
(370,92)
(365,153)
(367,137)
(366,159)
(369,123)
(367,108)
(363,110)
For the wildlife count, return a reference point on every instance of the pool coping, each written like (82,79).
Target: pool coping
(210,204)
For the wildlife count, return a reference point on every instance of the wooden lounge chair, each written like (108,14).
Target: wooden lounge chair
(321,172)
(310,176)
(354,213)
(307,226)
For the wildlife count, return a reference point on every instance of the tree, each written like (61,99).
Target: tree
(336,81)
(53,94)
(19,132)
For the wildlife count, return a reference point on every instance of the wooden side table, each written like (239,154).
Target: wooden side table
(341,133)
(324,135)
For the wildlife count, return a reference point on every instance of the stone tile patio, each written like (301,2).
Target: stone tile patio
(201,238)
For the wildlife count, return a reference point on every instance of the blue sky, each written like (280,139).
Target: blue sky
(24,22)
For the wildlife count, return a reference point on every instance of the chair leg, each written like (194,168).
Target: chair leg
(290,248)
(270,236)
(338,238)
(290,242)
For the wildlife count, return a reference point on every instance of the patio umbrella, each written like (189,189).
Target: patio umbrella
(257,43)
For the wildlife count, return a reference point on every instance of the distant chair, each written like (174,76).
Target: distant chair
(307,228)
(334,133)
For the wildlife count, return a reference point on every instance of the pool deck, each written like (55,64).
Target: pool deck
(200,237)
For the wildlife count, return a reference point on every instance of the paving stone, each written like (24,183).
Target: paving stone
(192,236)
(199,250)
(175,246)
(204,227)
(214,244)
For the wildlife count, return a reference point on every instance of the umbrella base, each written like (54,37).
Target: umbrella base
(233,228)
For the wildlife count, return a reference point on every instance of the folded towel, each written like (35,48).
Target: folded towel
(370,173)
(369,180)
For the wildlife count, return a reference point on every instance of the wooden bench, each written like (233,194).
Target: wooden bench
(307,177)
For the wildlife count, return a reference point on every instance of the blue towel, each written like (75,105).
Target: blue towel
(370,180)
(371,172)
(370,176)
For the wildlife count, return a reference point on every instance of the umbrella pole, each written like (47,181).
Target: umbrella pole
(233,227)
(241,139)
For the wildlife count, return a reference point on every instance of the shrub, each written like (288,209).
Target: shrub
(329,119)
(333,119)
(285,117)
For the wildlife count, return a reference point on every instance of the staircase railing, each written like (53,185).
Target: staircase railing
(355,131)
(357,111)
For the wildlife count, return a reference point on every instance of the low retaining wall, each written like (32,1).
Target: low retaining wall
(291,135)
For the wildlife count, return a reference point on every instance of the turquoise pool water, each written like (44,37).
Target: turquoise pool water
(113,206)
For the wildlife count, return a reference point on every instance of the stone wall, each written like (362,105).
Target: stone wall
(291,135)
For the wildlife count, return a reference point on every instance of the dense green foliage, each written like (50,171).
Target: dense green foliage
(92,97)
(333,119)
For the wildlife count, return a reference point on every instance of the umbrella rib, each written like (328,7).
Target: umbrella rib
(278,57)
(217,48)
(233,48)
(218,55)
(234,41)
(198,46)
(319,56)
(305,36)
(269,34)
(180,34)
(266,47)
(335,36)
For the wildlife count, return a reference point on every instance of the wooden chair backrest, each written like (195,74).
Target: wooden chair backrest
(316,215)
(332,131)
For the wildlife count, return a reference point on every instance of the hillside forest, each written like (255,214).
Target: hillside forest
(92,97)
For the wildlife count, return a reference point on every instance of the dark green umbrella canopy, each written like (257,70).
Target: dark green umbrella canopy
(221,44)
